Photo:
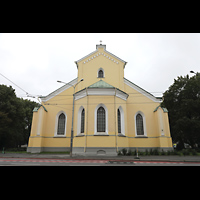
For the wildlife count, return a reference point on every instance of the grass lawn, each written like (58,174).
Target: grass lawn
(24,152)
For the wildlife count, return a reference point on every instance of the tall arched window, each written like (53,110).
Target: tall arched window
(61,124)
(101,120)
(139,124)
(82,120)
(119,120)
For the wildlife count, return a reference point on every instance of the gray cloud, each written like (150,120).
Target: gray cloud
(36,61)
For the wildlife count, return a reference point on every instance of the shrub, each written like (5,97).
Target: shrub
(134,153)
(124,151)
(193,152)
(119,153)
(129,153)
(168,152)
(146,152)
(185,152)
(155,151)
(162,152)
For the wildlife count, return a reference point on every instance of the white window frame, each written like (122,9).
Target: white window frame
(56,124)
(95,120)
(122,120)
(79,122)
(144,124)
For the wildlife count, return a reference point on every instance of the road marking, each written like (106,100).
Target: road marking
(50,161)
(32,164)
(34,161)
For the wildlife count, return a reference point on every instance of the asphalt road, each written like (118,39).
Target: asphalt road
(85,162)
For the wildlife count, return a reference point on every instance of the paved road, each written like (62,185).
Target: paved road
(85,162)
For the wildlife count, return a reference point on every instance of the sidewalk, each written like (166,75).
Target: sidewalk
(173,158)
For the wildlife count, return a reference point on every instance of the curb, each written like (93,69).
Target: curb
(110,159)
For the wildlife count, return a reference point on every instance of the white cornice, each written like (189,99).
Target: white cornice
(142,91)
(59,90)
(101,92)
(90,57)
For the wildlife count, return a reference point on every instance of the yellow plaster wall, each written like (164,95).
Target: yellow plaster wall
(114,75)
(114,72)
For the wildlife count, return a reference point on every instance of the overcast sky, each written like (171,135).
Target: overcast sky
(36,61)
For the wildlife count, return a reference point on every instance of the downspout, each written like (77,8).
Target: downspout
(86,125)
(115,121)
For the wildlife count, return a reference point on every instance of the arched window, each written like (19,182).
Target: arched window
(139,124)
(101,120)
(61,124)
(119,120)
(82,120)
(100,73)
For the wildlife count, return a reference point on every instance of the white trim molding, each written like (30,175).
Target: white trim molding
(142,91)
(96,53)
(56,124)
(101,92)
(79,122)
(59,90)
(95,120)
(161,124)
(144,124)
(40,120)
(122,120)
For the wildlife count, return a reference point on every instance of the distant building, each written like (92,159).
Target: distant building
(110,112)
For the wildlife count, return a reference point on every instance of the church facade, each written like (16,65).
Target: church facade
(110,112)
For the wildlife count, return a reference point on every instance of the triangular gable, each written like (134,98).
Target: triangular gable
(59,90)
(101,88)
(101,84)
(106,54)
(142,91)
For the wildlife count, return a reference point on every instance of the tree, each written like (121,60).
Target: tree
(182,100)
(15,118)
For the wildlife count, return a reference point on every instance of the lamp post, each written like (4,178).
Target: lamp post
(72,129)
(194,72)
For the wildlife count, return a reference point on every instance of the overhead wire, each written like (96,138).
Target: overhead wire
(136,94)
(14,84)
(27,94)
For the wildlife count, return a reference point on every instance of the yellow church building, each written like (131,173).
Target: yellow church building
(110,112)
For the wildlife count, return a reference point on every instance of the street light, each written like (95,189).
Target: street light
(72,129)
(194,72)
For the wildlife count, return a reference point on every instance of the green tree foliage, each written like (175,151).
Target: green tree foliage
(182,100)
(15,118)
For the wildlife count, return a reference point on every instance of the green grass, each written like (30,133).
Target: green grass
(24,152)
(15,152)
(66,152)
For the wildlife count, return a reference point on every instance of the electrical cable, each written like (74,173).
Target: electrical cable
(14,84)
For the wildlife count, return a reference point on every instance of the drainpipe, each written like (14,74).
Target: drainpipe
(86,124)
(115,121)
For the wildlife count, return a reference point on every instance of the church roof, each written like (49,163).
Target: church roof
(101,84)
(164,109)
(37,108)
(101,88)
(142,91)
